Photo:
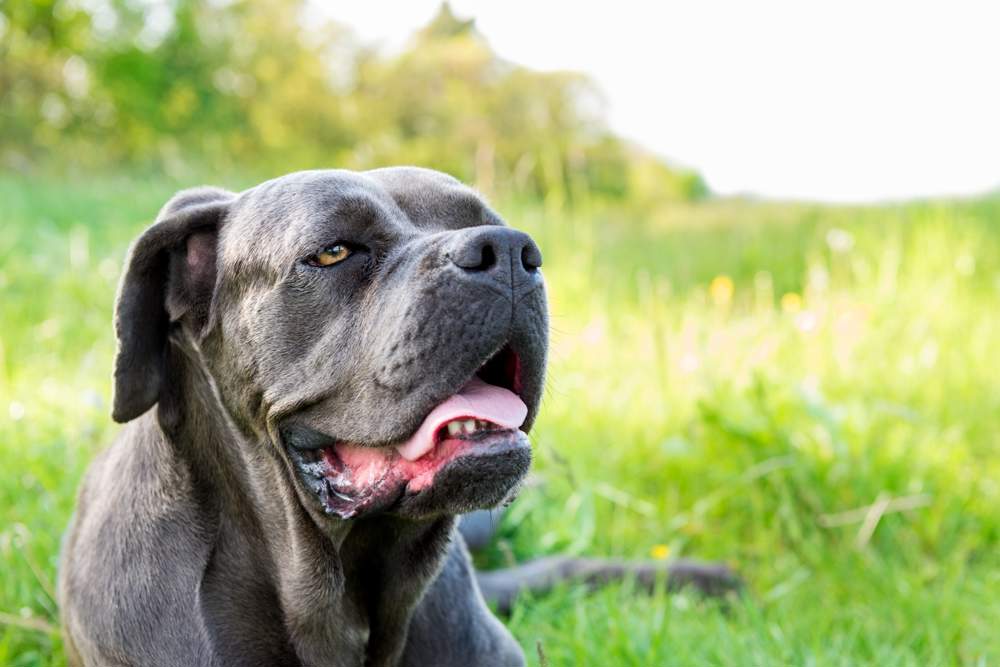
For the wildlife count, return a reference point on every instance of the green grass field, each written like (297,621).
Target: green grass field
(810,394)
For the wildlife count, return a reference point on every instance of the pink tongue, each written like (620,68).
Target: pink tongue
(476,400)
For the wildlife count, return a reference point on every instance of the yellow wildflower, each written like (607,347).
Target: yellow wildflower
(791,303)
(660,551)
(721,290)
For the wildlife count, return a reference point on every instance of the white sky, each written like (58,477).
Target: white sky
(841,100)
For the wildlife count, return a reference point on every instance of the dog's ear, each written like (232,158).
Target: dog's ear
(169,276)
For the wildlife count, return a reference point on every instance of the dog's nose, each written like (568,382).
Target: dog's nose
(498,253)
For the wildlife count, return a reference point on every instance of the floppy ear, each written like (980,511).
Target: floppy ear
(169,276)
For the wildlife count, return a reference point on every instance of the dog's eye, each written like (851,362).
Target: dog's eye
(330,255)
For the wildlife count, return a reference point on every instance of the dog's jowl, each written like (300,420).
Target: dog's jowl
(316,376)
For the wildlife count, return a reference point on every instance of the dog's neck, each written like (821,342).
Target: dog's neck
(264,532)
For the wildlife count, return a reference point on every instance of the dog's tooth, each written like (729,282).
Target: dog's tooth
(470,425)
(454,427)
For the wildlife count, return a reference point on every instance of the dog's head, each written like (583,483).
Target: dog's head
(382,333)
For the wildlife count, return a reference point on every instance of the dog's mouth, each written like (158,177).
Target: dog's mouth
(482,419)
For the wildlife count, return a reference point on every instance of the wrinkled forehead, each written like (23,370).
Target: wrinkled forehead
(433,200)
(285,216)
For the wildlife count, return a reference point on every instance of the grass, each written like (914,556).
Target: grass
(729,380)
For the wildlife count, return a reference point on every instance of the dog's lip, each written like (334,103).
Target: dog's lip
(496,443)
(416,475)
(303,438)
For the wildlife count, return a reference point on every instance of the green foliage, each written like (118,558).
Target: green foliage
(808,393)
(190,82)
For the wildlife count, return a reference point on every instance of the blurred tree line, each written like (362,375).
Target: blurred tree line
(230,83)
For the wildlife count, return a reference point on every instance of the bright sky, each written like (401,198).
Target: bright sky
(842,100)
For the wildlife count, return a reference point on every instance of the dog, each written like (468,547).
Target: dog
(316,376)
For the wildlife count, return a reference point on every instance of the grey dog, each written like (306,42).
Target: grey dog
(316,376)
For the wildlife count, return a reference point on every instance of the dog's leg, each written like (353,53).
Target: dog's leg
(453,627)
(501,587)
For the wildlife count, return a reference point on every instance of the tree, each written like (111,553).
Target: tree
(252,83)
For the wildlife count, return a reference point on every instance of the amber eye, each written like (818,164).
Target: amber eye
(331,255)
